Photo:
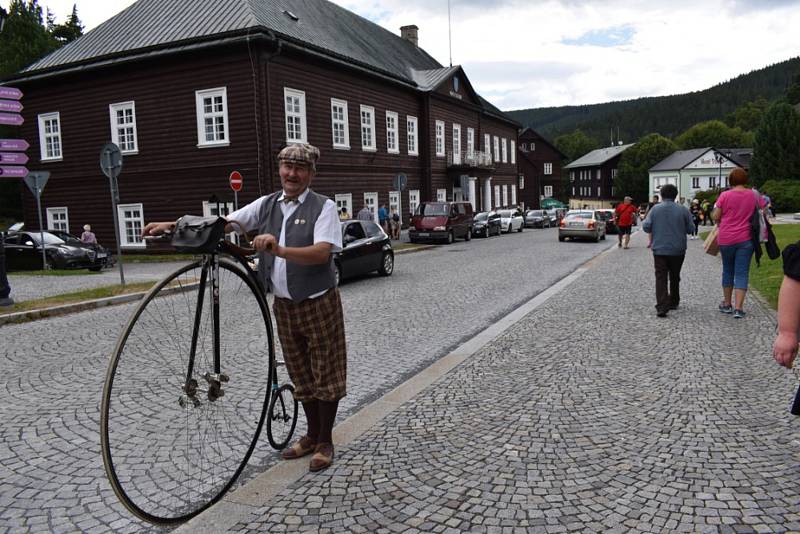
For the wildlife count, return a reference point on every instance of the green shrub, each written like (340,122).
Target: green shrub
(785,194)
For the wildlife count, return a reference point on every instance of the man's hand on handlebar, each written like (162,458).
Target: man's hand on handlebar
(158,228)
(266,243)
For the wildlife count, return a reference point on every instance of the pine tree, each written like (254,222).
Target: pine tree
(24,38)
(70,30)
(776,153)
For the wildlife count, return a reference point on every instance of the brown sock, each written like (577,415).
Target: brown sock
(327,416)
(312,417)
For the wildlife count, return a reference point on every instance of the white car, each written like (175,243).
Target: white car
(511,220)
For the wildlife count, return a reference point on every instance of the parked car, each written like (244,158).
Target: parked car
(104,255)
(24,252)
(511,220)
(608,216)
(486,224)
(365,248)
(556,214)
(582,224)
(441,221)
(538,219)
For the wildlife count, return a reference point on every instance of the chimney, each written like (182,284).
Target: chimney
(409,33)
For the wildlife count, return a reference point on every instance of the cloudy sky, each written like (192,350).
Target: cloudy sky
(531,53)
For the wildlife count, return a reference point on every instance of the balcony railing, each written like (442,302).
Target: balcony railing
(474,159)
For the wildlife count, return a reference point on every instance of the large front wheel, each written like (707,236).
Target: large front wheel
(177,424)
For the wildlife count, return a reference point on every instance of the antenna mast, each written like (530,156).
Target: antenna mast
(449,34)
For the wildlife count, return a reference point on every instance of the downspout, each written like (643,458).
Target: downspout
(425,159)
(267,60)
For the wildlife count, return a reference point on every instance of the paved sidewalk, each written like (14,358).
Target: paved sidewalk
(588,415)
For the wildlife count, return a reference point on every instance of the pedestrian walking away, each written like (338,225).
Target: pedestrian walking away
(364,214)
(668,224)
(298,232)
(383,218)
(624,214)
(697,216)
(732,212)
(88,236)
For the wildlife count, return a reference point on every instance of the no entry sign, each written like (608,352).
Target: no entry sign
(235,180)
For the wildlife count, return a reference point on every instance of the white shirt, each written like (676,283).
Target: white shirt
(327,229)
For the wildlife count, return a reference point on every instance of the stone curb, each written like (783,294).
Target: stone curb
(43,313)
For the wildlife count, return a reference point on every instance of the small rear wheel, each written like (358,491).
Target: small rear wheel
(281,416)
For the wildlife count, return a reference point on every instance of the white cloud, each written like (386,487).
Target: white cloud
(515,54)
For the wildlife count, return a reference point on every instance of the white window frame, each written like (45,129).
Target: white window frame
(497,196)
(52,220)
(412,139)
(51,139)
(297,116)
(513,195)
(392,133)
(456,144)
(440,138)
(372,196)
(496,149)
(339,107)
(548,168)
(344,200)
(129,127)
(413,200)
(505,195)
(598,191)
(487,142)
(441,195)
(202,116)
(470,142)
(513,152)
(138,242)
(548,191)
(504,150)
(367,129)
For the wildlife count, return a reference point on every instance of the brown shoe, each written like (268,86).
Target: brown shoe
(302,447)
(323,457)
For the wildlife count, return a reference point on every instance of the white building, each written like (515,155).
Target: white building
(698,169)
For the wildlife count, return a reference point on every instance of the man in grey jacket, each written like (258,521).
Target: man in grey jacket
(669,223)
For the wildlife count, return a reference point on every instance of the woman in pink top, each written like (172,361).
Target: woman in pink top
(732,212)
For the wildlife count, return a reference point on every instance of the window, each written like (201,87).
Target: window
(504,149)
(340,127)
(368,128)
(548,191)
(344,201)
(548,168)
(295,110)
(391,133)
(50,136)
(573,191)
(440,138)
(411,135)
(599,175)
(212,117)
(413,200)
(613,174)
(57,219)
(220,209)
(505,195)
(441,195)
(695,182)
(598,191)
(496,148)
(572,176)
(712,182)
(486,142)
(131,222)
(532,146)
(456,144)
(470,142)
(513,153)
(394,204)
(371,202)
(513,195)
(497,195)
(123,127)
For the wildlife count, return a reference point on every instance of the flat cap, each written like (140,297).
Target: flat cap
(300,153)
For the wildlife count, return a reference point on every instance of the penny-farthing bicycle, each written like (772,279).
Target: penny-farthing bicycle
(190,383)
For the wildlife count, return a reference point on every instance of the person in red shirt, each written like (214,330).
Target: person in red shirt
(624,214)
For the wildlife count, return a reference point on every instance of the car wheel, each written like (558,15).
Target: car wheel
(561,238)
(450,237)
(468,236)
(337,273)
(387,264)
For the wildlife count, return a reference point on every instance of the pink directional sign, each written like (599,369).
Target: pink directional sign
(10,105)
(13,172)
(11,118)
(18,145)
(12,93)
(13,158)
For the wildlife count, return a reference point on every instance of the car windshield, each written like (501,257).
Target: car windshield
(49,239)
(603,215)
(579,215)
(535,213)
(433,209)
(481,216)
(70,239)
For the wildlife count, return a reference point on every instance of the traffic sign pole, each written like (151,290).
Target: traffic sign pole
(235,180)
(111,165)
(36,182)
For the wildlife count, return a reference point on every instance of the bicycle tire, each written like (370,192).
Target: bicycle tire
(281,417)
(168,461)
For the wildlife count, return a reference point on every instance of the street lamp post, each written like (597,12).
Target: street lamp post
(719,159)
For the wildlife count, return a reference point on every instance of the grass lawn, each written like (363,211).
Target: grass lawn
(767,278)
(78,296)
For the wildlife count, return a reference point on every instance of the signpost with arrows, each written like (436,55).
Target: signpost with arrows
(12,164)
(111,165)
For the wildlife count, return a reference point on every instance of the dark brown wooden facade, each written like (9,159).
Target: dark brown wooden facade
(540,164)
(171,175)
(591,178)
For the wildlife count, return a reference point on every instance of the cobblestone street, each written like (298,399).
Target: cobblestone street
(590,415)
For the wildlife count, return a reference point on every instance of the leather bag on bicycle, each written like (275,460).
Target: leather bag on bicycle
(198,234)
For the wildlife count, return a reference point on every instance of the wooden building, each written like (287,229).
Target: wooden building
(591,178)
(540,165)
(192,91)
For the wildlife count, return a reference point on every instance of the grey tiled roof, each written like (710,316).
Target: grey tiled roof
(679,159)
(598,157)
(428,80)
(319,24)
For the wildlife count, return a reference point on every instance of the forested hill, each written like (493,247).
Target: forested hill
(667,115)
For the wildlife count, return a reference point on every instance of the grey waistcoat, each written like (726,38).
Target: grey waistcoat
(302,280)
